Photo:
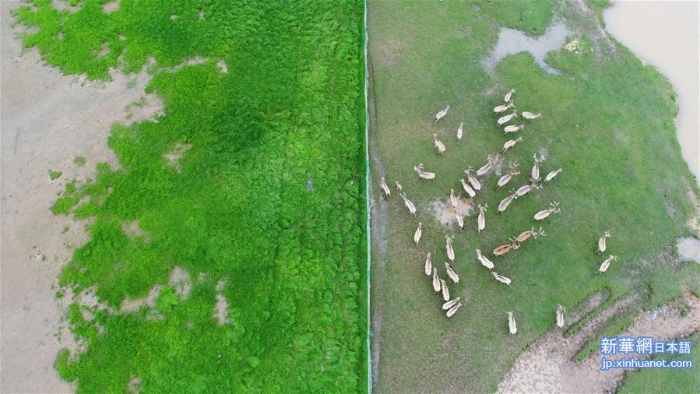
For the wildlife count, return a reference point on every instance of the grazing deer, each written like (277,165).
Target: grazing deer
(448,248)
(441,114)
(536,168)
(502,181)
(483,260)
(423,174)
(428,265)
(472,179)
(512,129)
(560,316)
(436,281)
(453,310)
(438,144)
(399,187)
(552,174)
(449,304)
(481,222)
(445,290)
(418,233)
(501,278)
(506,201)
(451,273)
(486,167)
(523,190)
(468,188)
(460,131)
(541,215)
(508,96)
(460,220)
(606,264)
(601,242)
(453,199)
(409,205)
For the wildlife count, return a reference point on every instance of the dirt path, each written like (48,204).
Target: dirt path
(47,120)
(546,365)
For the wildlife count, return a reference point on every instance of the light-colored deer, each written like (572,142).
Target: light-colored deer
(441,114)
(541,215)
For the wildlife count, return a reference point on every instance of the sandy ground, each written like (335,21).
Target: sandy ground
(46,121)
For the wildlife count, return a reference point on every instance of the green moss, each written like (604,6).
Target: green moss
(53,175)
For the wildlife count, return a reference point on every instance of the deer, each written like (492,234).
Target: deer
(418,233)
(510,143)
(502,181)
(523,190)
(460,131)
(503,249)
(409,205)
(453,199)
(552,174)
(445,290)
(460,220)
(502,108)
(505,119)
(525,235)
(481,221)
(606,264)
(529,115)
(508,96)
(448,248)
(511,323)
(483,260)
(451,273)
(428,265)
(438,144)
(468,188)
(441,114)
(472,179)
(453,310)
(536,168)
(501,278)
(512,129)
(384,187)
(541,215)
(449,304)
(506,201)
(560,316)
(423,174)
(436,281)
(399,187)
(601,242)
(486,167)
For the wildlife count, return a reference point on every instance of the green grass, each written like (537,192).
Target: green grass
(238,210)
(608,122)
(53,175)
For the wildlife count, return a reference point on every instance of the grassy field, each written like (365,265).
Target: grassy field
(607,121)
(252,182)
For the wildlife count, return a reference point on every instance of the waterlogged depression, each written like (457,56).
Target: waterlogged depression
(666,35)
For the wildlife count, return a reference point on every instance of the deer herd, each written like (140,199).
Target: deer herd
(472,186)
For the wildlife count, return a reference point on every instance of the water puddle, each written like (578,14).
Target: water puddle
(665,34)
(512,41)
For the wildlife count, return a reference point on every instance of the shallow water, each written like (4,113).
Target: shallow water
(666,35)
(514,41)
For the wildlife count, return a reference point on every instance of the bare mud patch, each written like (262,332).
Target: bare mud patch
(446,214)
(688,249)
(389,52)
(110,7)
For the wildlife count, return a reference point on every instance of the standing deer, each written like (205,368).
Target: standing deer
(560,316)
(530,115)
(483,260)
(445,290)
(486,167)
(601,242)
(481,222)
(423,174)
(503,249)
(511,323)
(460,131)
(418,233)
(502,108)
(606,264)
(511,143)
(448,248)
(441,114)
(541,215)
(525,235)
(438,144)
(512,128)
(525,189)
(536,168)
(453,199)
(460,220)
(436,281)
(399,187)
(384,187)
(505,119)
(449,304)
